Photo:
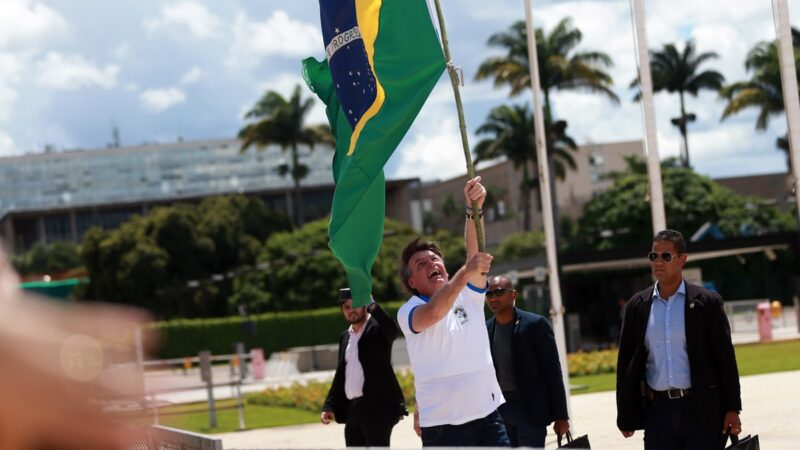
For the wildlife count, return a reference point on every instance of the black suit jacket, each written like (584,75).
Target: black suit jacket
(712,362)
(537,372)
(383,398)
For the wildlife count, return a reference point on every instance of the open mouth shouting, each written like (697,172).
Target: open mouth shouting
(435,274)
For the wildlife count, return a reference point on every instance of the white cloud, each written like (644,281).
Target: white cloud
(7,147)
(192,76)
(69,72)
(432,149)
(157,100)
(25,23)
(122,51)
(283,84)
(11,66)
(278,35)
(188,16)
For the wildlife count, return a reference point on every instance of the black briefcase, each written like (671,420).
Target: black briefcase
(745,443)
(578,442)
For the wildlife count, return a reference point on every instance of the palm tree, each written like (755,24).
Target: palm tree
(512,135)
(276,120)
(677,71)
(763,90)
(561,67)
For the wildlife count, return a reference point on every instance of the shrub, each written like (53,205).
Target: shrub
(311,396)
(270,331)
(592,363)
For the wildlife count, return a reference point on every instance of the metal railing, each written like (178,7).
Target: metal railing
(743,318)
(165,438)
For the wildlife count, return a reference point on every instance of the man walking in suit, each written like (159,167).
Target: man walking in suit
(365,394)
(528,369)
(676,373)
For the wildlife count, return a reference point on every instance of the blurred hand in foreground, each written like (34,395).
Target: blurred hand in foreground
(55,371)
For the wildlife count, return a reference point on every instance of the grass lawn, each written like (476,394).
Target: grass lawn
(752,359)
(255,416)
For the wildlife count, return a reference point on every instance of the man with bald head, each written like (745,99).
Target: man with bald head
(527,366)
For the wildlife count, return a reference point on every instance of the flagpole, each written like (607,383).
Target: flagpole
(791,103)
(452,70)
(649,117)
(556,306)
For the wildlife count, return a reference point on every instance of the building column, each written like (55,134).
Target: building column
(7,233)
(73,226)
(42,232)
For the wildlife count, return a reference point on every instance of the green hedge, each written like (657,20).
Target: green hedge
(311,394)
(270,331)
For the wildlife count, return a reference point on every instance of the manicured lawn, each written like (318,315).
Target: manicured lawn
(752,359)
(766,358)
(255,416)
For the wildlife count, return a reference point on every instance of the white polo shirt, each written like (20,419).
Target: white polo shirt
(454,377)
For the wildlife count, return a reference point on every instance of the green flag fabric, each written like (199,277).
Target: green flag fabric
(383,59)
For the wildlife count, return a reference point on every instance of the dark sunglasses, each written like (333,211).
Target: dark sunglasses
(666,256)
(497,292)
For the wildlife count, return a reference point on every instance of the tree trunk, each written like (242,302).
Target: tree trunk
(526,198)
(684,134)
(298,196)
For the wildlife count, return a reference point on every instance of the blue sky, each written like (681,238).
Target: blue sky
(70,70)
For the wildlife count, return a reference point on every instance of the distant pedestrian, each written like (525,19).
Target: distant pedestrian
(528,369)
(365,394)
(676,374)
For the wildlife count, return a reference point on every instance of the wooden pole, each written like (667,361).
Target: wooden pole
(453,70)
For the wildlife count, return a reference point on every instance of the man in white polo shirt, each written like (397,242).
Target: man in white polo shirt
(444,325)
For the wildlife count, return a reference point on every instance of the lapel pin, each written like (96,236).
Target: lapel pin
(691,305)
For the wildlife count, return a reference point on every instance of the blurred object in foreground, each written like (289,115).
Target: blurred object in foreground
(54,381)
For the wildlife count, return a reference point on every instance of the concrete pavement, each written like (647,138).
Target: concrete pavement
(769,401)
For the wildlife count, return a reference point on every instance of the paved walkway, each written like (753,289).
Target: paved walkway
(770,410)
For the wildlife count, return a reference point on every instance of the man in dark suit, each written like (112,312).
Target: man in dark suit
(676,373)
(365,394)
(527,366)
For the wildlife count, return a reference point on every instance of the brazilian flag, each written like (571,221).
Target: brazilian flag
(383,59)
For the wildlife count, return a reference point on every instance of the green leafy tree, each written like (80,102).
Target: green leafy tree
(60,256)
(677,71)
(561,65)
(300,272)
(521,245)
(620,216)
(511,135)
(179,260)
(763,91)
(280,121)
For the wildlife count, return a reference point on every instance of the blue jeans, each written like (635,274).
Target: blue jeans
(485,432)
(521,432)
(672,425)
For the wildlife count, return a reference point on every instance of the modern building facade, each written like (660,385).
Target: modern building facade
(58,196)
(504,215)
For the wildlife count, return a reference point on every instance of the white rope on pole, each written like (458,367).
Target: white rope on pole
(556,306)
(642,53)
(791,102)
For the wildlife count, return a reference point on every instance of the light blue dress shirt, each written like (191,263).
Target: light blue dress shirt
(667,359)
